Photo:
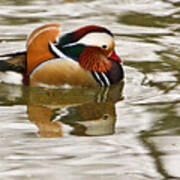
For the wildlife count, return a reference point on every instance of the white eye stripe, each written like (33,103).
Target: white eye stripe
(102,40)
(98,39)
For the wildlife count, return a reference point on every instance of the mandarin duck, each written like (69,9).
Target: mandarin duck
(84,57)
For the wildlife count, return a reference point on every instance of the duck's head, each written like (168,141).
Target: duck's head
(92,46)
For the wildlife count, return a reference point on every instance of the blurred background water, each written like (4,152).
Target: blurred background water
(129,131)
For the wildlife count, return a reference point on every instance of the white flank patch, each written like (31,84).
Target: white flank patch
(11,77)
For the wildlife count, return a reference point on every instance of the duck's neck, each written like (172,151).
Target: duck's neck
(73,51)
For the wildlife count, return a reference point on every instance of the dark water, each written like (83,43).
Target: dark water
(129,131)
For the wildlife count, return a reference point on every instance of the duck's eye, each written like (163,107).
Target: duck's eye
(104,46)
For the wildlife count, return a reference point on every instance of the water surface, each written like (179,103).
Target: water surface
(129,131)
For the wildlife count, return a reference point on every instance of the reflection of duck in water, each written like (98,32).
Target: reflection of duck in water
(85,57)
(94,121)
(88,111)
(84,114)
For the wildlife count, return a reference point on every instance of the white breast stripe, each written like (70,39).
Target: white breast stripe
(106,79)
(99,79)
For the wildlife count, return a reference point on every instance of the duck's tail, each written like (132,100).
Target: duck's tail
(15,61)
